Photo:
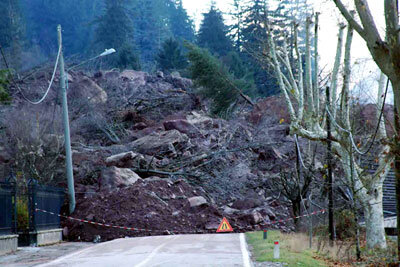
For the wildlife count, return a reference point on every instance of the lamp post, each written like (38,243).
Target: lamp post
(67,136)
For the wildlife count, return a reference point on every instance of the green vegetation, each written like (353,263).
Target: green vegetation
(4,83)
(22,213)
(170,57)
(216,82)
(115,30)
(293,250)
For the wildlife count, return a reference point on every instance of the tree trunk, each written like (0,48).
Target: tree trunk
(296,206)
(374,222)
(396,151)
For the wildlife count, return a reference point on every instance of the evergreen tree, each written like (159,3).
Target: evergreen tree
(213,33)
(170,58)
(182,26)
(254,36)
(150,18)
(237,26)
(4,83)
(216,82)
(75,17)
(286,14)
(11,29)
(115,30)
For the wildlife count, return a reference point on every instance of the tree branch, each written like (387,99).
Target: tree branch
(346,14)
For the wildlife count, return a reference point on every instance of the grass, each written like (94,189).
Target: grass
(294,249)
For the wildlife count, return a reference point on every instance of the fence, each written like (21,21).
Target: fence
(8,208)
(46,198)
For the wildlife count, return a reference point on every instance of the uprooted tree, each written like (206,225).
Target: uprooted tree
(300,88)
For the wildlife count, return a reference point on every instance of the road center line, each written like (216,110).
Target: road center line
(153,253)
(245,252)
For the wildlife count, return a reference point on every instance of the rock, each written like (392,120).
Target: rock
(160,74)
(91,91)
(256,217)
(4,155)
(124,160)
(253,217)
(112,178)
(212,226)
(245,204)
(179,82)
(196,118)
(139,77)
(140,126)
(197,201)
(163,143)
(270,153)
(182,126)
(110,75)
(229,210)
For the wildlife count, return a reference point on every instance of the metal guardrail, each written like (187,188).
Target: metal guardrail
(8,207)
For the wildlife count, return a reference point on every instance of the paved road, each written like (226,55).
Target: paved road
(32,256)
(174,251)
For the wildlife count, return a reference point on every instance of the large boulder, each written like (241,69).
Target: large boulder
(182,126)
(199,120)
(138,77)
(197,201)
(179,82)
(124,160)
(253,217)
(4,155)
(86,88)
(113,178)
(163,143)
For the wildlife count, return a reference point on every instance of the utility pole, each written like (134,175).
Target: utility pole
(329,163)
(68,153)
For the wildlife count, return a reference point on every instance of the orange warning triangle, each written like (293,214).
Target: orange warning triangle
(224,226)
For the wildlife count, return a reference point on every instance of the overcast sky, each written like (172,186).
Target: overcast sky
(329,19)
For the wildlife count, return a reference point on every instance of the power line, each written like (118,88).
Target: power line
(376,130)
(20,90)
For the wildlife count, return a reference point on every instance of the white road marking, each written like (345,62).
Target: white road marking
(74,254)
(153,253)
(245,252)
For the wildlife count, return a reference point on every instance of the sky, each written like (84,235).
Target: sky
(364,68)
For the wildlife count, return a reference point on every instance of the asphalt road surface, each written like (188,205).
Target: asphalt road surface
(174,250)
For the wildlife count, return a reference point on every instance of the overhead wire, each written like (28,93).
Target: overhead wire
(351,134)
(19,88)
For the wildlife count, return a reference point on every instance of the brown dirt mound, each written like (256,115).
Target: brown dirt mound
(159,205)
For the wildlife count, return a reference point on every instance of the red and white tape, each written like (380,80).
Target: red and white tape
(298,217)
(147,230)
(95,223)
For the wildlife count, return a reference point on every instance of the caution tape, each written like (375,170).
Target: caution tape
(298,217)
(147,230)
(96,223)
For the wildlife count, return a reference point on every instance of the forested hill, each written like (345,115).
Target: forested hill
(148,34)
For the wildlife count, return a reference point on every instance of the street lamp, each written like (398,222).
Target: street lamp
(64,85)
(105,53)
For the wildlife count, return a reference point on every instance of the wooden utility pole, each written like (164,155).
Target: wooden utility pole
(329,163)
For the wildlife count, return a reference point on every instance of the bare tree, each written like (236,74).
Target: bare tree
(386,54)
(304,103)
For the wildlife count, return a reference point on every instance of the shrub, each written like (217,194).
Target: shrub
(22,213)
(4,83)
